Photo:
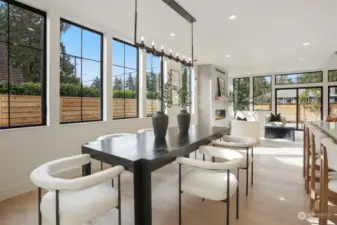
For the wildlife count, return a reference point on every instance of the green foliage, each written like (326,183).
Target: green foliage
(239,97)
(70,90)
(262,90)
(166,100)
(183,93)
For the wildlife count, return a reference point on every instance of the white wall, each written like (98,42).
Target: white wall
(208,90)
(24,149)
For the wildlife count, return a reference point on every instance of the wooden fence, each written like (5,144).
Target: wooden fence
(26,110)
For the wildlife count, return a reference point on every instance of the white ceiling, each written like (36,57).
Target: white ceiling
(266,36)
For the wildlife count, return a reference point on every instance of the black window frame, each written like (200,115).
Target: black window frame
(271,92)
(101,70)
(137,77)
(249,100)
(161,79)
(43,78)
(319,71)
(329,71)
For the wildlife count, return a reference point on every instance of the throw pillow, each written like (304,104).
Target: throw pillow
(242,119)
(275,118)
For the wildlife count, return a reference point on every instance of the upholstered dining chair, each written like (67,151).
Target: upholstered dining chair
(328,182)
(110,136)
(75,201)
(209,180)
(229,142)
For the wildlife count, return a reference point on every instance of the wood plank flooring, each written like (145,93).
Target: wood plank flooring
(276,198)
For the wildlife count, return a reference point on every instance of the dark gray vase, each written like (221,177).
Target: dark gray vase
(184,120)
(160,124)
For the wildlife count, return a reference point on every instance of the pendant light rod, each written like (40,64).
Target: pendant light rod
(136,20)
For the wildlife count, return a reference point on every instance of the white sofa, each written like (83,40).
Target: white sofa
(246,128)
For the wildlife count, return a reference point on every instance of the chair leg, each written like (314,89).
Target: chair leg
(101,166)
(39,205)
(252,170)
(179,194)
(119,200)
(228,198)
(213,159)
(203,159)
(237,194)
(247,172)
(195,154)
(57,206)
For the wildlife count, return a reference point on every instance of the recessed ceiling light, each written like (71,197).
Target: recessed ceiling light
(172,34)
(306,44)
(227,56)
(232,17)
(301,59)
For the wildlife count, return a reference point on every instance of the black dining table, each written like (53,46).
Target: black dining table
(142,154)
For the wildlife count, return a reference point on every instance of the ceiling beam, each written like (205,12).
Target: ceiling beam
(180,10)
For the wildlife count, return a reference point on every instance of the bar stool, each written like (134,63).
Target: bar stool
(312,170)
(230,142)
(328,183)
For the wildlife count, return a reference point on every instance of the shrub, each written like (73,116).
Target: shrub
(66,89)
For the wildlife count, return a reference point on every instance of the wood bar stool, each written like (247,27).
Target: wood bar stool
(328,182)
(307,153)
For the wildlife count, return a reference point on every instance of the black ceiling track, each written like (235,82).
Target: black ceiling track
(180,10)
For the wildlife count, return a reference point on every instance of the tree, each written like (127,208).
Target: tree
(27,29)
(130,83)
(118,84)
(96,83)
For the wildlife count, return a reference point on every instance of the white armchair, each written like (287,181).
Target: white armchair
(79,200)
(209,180)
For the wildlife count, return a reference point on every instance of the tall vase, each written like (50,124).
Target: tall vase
(184,120)
(160,123)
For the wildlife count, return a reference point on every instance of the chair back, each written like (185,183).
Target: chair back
(316,137)
(144,130)
(43,175)
(330,147)
(110,136)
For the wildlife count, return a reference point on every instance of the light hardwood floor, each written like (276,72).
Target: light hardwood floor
(277,197)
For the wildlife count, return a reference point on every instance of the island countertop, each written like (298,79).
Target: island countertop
(329,128)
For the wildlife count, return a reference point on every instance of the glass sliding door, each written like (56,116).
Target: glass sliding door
(299,105)
(333,100)
(309,105)
(286,104)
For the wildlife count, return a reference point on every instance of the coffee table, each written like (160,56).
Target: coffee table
(279,131)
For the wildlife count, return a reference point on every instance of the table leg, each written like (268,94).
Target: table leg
(86,169)
(293,135)
(142,193)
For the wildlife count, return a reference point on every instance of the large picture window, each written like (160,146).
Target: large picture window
(22,65)
(262,93)
(125,80)
(80,73)
(153,83)
(299,78)
(332,101)
(241,89)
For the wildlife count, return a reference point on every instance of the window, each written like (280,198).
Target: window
(125,80)
(241,89)
(189,85)
(22,65)
(262,93)
(299,78)
(153,83)
(80,73)
(333,100)
(332,75)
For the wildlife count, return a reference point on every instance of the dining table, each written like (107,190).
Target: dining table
(142,153)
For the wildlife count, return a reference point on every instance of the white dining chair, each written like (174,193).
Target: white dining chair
(79,200)
(229,142)
(209,180)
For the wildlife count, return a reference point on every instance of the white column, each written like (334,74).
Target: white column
(251,93)
(107,77)
(53,68)
(142,84)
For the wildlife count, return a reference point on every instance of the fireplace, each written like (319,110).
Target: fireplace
(220,114)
